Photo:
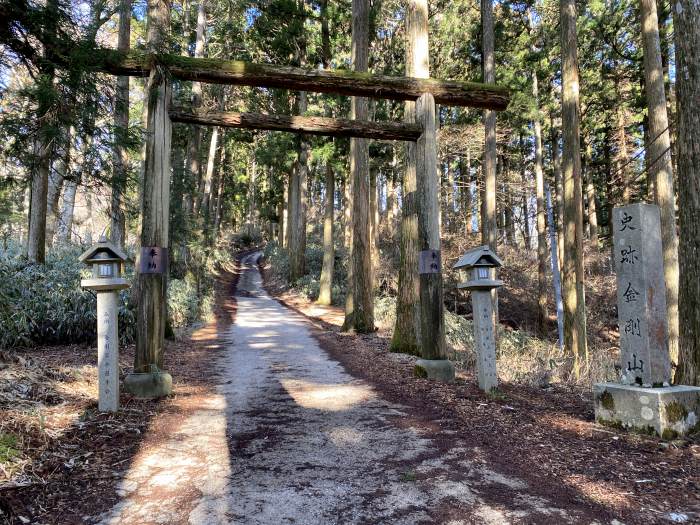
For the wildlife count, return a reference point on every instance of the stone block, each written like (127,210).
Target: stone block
(668,412)
(149,385)
(438,369)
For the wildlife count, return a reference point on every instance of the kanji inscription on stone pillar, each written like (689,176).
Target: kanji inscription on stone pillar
(641,295)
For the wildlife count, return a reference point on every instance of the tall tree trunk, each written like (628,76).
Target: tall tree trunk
(559,188)
(592,211)
(218,186)
(509,207)
(121,131)
(391,197)
(325,295)
(359,309)
(326,284)
(465,195)
(65,222)
(469,197)
(661,167)
(541,213)
(296,241)
(193,151)
(609,182)
(41,150)
(374,223)
(155,201)
(81,168)
(214,154)
(525,212)
(56,181)
(406,336)
(286,199)
(623,157)
(574,303)
(489,227)
(686,18)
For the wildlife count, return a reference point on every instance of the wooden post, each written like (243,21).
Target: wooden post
(431,295)
(151,283)
(432,308)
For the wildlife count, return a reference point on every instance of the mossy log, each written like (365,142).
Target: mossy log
(340,82)
(311,125)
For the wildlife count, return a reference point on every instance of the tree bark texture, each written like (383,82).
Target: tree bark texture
(574,302)
(541,214)
(193,161)
(121,132)
(406,336)
(296,237)
(686,18)
(661,163)
(56,182)
(359,313)
(326,283)
(489,227)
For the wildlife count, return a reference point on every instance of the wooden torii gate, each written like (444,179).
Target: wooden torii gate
(161,67)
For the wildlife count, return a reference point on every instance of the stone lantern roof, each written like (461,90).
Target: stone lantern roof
(482,256)
(103,251)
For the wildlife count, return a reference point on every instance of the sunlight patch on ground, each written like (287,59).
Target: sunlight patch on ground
(599,491)
(331,397)
(163,477)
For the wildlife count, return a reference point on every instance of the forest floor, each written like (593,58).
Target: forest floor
(279,417)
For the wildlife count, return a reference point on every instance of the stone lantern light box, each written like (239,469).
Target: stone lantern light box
(107,263)
(475,269)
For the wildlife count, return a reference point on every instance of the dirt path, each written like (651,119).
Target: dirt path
(291,437)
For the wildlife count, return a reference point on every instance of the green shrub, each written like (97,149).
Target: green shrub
(44,304)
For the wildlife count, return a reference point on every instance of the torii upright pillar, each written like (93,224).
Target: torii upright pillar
(148,380)
(433,348)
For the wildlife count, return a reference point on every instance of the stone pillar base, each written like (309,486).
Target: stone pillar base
(149,385)
(667,412)
(439,369)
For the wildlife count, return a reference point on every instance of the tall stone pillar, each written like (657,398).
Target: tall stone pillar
(643,401)
(641,297)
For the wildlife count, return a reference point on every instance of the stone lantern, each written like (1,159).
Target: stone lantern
(477,270)
(107,264)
